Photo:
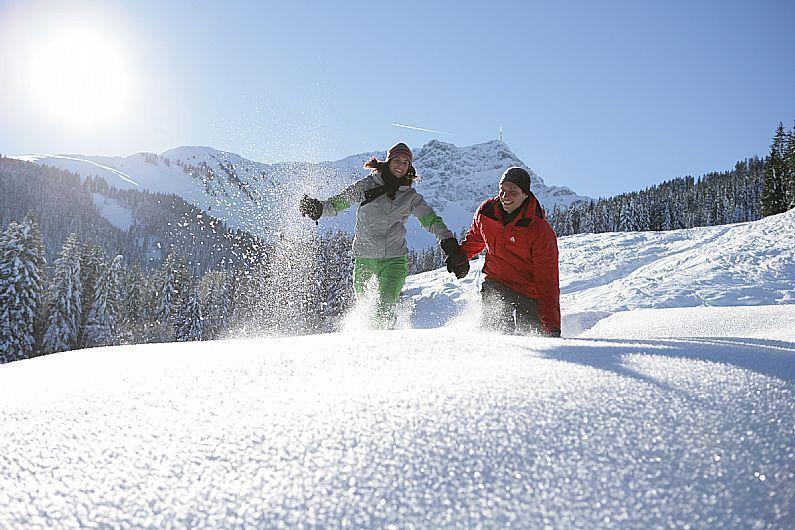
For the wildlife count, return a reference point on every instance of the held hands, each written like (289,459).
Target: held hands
(310,207)
(456,261)
(460,268)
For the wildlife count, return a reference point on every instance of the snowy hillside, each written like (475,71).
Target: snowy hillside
(260,198)
(662,413)
(402,429)
(601,274)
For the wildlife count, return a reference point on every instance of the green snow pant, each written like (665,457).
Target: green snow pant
(391,275)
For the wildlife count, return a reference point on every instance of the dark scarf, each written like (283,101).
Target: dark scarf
(508,217)
(392,183)
(390,186)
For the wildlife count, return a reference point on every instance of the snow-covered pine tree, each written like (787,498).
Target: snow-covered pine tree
(642,214)
(132,310)
(568,222)
(774,194)
(215,306)
(603,219)
(677,211)
(65,307)
(586,219)
(151,327)
(22,268)
(626,216)
(666,217)
(172,294)
(189,322)
(93,259)
(102,325)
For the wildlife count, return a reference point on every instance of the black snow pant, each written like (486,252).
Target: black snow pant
(507,311)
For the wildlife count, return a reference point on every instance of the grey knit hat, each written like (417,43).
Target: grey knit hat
(518,176)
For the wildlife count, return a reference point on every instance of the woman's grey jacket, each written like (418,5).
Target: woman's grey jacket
(381,223)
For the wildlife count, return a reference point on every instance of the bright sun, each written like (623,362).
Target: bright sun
(80,79)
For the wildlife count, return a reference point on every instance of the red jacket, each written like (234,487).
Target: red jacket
(522,254)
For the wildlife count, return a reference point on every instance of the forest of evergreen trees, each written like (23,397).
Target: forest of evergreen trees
(70,279)
(87,298)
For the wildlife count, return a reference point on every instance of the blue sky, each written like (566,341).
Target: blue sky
(603,97)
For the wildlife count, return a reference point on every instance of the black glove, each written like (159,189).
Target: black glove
(310,207)
(456,262)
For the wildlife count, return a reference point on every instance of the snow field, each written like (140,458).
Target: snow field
(746,264)
(669,405)
(410,428)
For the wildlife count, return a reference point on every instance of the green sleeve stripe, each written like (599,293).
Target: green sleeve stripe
(339,203)
(430,219)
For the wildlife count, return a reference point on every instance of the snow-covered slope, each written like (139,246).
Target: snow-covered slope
(260,198)
(660,417)
(225,185)
(601,274)
(405,429)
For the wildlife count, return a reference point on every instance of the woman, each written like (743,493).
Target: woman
(386,198)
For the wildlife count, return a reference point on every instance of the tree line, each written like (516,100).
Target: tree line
(755,188)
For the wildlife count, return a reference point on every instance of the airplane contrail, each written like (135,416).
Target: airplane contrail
(418,128)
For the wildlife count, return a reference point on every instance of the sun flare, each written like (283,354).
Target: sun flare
(79,79)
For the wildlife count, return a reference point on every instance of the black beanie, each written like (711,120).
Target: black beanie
(518,176)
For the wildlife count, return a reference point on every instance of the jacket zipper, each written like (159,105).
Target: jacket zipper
(388,217)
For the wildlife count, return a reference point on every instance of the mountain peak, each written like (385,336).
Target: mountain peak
(438,144)
(197,153)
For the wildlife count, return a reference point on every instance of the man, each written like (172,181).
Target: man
(520,292)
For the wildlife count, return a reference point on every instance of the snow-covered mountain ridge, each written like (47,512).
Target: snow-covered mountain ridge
(260,198)
(468,175)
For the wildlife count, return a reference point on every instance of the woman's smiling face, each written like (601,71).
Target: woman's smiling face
(399,165)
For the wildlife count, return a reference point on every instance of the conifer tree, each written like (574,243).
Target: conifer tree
(642,216)
(132,310)
(626,222)
(102,327)
(190,321)
(774,194)
(93,260)
(21,284)
(587,218)
(217,306)
(172,295)
(65,312)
